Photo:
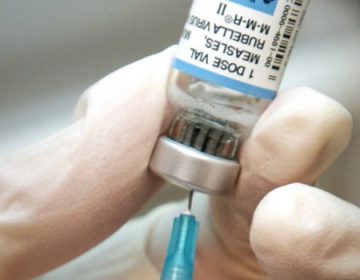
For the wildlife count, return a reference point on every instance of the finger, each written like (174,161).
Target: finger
(297,138)
(141,86)
(85,182)
(300,232)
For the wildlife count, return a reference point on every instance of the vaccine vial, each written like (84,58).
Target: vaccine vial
(228,67)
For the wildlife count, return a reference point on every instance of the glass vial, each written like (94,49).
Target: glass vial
(230,61)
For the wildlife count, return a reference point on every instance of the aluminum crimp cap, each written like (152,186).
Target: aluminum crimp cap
(192,169)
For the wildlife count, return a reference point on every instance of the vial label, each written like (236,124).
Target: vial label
(243,45)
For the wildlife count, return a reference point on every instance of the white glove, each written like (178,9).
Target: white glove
(63,196)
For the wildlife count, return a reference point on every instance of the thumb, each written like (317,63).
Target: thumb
(83,183)
(300,232)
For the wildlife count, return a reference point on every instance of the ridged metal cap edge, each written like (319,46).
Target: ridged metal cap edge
(191,169)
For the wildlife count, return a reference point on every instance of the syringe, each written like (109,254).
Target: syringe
(179,262)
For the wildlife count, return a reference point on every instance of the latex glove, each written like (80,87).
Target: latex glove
(298,232)
(61,197)
(66,194)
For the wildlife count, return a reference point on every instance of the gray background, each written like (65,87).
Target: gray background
(51,51)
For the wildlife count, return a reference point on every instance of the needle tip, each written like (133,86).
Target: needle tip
(191,195)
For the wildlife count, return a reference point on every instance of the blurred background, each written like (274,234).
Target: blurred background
(51,51)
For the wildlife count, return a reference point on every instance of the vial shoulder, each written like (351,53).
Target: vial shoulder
(193,94)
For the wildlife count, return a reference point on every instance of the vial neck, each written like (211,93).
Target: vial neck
(206,134)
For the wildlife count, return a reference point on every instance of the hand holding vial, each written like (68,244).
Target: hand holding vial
(266,227)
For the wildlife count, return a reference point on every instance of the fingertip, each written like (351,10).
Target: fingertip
(147,72)
(142,83)
(297,138)
(169,52)
(333,119)
(314,103)
(281,214)
(301,230)
(281,224)
(319,103)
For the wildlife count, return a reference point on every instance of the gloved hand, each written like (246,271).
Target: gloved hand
(61,197)
(271,227)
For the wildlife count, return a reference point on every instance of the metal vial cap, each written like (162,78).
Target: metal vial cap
(191,169)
